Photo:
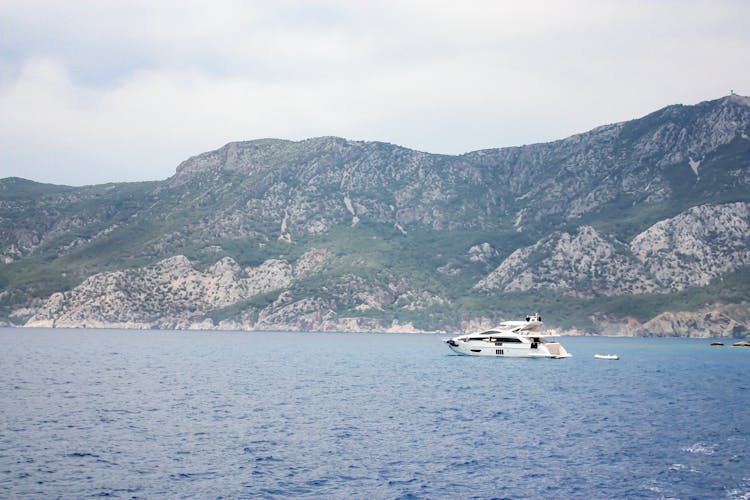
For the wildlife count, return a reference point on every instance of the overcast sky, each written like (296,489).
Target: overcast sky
(95,91)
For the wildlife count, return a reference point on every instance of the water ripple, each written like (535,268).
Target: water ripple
(238,415)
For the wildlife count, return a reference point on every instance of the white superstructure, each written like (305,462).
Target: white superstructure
(516,339)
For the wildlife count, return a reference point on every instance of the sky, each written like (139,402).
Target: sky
(96,91)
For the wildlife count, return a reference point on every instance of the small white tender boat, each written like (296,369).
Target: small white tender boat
(513,339)
(606,356)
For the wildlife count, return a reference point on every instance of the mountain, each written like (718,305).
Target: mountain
(620,229)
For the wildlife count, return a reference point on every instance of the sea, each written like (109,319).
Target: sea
(161,414)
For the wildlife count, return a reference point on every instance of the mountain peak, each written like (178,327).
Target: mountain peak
(737,99)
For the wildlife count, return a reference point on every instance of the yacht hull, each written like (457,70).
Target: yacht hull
(511,339)
(467,349)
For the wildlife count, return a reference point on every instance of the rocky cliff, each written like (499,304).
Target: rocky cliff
(614,229)
(173,294)
(691,249)
(696,247)
(170,294)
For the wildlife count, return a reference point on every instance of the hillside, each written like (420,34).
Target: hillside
(621,229)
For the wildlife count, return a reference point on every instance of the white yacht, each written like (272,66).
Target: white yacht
(513,339)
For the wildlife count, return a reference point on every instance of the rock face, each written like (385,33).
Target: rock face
(626,222)
(171,294)
(710,321)
(691,249)
(483,253)
(697,246)
(719,321)
(582,263)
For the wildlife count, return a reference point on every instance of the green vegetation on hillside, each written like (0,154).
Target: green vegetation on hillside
(391,218)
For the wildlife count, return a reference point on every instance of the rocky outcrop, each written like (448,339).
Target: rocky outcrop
(172,294)
(706,323)
(584,263)
(691,249)
(169,294)
(697,246)
(483,253)
(710,321)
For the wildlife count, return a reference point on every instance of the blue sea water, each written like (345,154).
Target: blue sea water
(143,414)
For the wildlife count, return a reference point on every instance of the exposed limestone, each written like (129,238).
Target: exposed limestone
(690,249)
(295,315)
(284,232)
(695,165)
(416,301)
(270,275)
(449,269)
(350,208)
(169,294)
(696,246)
(172,294)
(484,253)
(712,321)
(705,323)
(584,263)
(311,261)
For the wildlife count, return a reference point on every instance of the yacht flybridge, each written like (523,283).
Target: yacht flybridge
(513,339)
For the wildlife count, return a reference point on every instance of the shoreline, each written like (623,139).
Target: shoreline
(196,328)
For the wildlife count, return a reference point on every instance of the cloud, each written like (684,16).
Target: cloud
(95,91)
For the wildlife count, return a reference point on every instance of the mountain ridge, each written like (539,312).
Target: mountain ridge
(415,232)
